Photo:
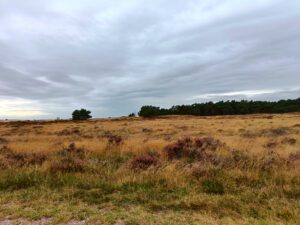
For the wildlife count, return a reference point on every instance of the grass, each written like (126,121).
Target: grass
(121,170)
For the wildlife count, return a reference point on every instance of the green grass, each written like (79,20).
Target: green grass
(34,193)
(213,187)
(108,189)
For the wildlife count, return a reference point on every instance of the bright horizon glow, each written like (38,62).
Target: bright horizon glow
(19,108)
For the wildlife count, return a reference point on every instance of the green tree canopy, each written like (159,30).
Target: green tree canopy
(224,108)
(81,114)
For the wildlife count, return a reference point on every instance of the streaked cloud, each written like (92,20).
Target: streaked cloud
(113,57)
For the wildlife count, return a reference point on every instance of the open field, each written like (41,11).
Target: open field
(168,170)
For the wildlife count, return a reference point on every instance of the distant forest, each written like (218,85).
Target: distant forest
(224,108)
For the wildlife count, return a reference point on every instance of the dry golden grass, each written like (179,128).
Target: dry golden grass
(248,133)
(251,178)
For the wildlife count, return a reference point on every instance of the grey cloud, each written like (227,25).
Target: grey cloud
(113,58)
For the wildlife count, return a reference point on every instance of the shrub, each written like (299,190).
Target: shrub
(114,139)
(179,149)
(131,115)
(270,161)
(212,187)
(279,131)
(9,158)
(3,141)
(200,170)
(81,114)
(153,153)
(294,159)
(147,130)
(144,162)
(207,142)
(198,148)
(70,159)
(35,159)
(75,131)
(290,141)
(271,144)
(238,158)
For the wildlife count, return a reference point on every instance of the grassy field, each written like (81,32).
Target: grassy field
(168,170)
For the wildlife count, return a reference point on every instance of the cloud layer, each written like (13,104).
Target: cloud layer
(114,56)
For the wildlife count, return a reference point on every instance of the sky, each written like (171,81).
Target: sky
(112,57)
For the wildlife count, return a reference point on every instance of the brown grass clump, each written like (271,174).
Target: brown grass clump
(9,158)
(239,159)
(198,148)
(35,159)
(147,130)
(294,159)
(290,141)
(200,170)
(248,134)
(267,117)
(114,139)
(271,160)
(270,144)
(69,132)
(144,162)
(279,131)
(70,159)
(3,141)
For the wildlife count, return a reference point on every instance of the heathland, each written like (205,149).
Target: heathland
(162,170)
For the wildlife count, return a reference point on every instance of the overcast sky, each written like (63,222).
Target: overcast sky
(112,57)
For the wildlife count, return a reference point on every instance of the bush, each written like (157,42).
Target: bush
(3,141)
(200,170)
(294,159)
(9,158)
(144,162)
(212,187)
(179,149)
(114,139)
(131,115)
(279,131)
(71,159)
(239,159)
(81,114)
(198,148)
(73,131)
(290,141)
(270,161)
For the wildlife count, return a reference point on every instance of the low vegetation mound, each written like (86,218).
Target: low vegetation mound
(144,162)
(213,187)
(70,159)
(114,139)
(9,158)
(194,149)
(3,141)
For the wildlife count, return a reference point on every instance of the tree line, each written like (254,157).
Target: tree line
(224,108)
